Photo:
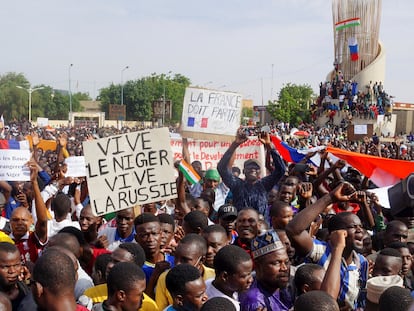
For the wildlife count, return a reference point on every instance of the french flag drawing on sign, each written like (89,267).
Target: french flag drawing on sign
(191,121)
(204,122)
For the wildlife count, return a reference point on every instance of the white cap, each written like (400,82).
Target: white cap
(378,284)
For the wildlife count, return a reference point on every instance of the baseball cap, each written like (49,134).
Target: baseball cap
(226,211)
(212,174)
(252,162)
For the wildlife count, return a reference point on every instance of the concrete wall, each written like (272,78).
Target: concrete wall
(374,72)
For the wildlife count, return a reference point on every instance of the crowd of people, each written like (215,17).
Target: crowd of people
(300,238)
(351,100)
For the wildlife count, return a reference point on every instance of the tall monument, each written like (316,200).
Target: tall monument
(358,53)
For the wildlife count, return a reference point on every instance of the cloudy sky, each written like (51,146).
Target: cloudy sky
(251,47)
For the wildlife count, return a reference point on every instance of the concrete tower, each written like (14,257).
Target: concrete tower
(356,23)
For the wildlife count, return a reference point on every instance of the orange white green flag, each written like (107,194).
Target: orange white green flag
(189,173)
(350,22)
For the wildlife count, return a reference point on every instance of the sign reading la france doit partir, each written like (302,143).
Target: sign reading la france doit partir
(210,114)
(130,169)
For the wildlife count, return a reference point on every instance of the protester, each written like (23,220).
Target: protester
(123,232)
(247,227)
(11,270)
(187,288)
(218,304)
(126,285)
(315,301)
(227,215)
(216,238)
(269,289)
(192,249)
(351,294)
(252,191)
(233,268)
(148,235)
(125,252)
(53,282)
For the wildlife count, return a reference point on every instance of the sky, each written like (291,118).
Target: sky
(250,47)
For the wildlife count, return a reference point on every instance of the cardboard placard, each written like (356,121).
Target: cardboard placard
(210,114)
(130,169)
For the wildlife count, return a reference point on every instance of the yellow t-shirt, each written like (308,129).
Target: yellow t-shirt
(163,297)
(99,293)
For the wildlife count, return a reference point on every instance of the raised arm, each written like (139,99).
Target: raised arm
(41,223)
(279,167)
(223,165)
(181,202)
(185,151)
(332,281)
(365,211)
(297,227)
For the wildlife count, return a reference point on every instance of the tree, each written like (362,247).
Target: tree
(13,102)
(292,104)
(140,94)
(47,102)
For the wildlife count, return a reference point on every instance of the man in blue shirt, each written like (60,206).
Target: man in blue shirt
(253,190)
(354,267)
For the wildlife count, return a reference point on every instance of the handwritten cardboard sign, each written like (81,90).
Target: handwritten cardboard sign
(13,165)
(210,114)
(130,169)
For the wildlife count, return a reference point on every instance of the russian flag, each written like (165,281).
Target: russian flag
(14,144)
(353,48)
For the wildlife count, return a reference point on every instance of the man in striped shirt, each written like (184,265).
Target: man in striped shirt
(354,267)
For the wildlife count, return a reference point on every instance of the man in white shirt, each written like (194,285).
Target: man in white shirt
(61,205)
(233,267)
(124,230)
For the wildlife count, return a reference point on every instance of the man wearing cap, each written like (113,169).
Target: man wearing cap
(211,180)
(377,285)
(272,265)
(252,191)
(227,215)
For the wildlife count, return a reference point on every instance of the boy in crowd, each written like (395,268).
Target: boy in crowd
(187,288)
(233,267)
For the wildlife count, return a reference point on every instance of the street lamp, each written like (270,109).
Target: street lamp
(163,100)
(30,91)
(122,84)
(70,95)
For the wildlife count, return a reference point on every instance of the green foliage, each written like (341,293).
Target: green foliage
(139,95)
(46,102)
(292,104)
(246,113)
